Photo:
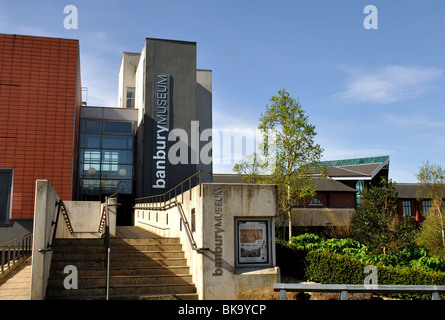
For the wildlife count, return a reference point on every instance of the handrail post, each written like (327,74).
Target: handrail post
(108,249)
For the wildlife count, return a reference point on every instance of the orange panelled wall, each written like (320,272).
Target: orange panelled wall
(39,114)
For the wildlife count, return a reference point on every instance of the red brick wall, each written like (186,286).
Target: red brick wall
(39,108)
(337,199)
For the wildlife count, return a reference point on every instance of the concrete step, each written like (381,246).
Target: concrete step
(180,296)
(126,271)
(119,255)
(174,292)
(156,289)
(89,281)
(142,269)
(85,246)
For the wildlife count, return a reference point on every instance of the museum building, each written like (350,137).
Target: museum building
(48,130)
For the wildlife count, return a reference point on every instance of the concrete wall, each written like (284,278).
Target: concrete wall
(84,217)
(44,213)
(216,209)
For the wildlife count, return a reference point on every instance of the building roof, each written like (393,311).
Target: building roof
(359,168)
(323,184)
(227,178)
(328,184)
(408,190)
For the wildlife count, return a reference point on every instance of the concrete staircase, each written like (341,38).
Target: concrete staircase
(141,268)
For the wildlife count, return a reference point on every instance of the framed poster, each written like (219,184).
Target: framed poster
(253,247)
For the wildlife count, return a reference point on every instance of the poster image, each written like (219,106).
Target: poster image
(252,237)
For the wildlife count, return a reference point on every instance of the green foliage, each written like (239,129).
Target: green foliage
(407,257)
(290,258)
(376,223)
(430,235)
(314,258)
(288,153)
(327,267)
(432,186)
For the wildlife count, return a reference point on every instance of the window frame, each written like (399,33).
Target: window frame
(406,204)
(7,221)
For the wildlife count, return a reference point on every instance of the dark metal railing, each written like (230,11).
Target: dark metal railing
(169,199)
(344,289)
(104,230)
(12,251)
(190,182)
(60,208)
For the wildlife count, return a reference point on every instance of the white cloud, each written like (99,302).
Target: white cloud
(413,121)
(388,84)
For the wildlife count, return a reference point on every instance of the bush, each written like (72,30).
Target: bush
(290,258)
(327,267)
(342,261)
(410,256)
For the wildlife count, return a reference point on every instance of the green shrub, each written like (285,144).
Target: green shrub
(290,258)
(327,267)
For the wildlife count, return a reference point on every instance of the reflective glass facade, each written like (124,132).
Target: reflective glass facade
(106,158)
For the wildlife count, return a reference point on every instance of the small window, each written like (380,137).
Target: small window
(92,126)
(5,194)
(130,97)
(118,127)
(426,205)
(315,201)
(406,206)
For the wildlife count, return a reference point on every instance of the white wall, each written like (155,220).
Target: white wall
(234,201)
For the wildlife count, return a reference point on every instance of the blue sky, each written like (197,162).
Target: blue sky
(368,92)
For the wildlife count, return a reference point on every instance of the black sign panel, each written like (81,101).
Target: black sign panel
(161,129)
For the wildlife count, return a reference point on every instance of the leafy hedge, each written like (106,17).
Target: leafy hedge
(327,267)
(343,261)
(411,257)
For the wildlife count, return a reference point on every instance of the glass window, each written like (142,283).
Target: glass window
(92,126)
(91,141)
(315,201)
(89,186)
(110,171)
(406,206)
(118,127)
(5,194)
(122,186)
(118,142)
(91,170)
(426,205)
(130,97)
(90,155)
(117,156)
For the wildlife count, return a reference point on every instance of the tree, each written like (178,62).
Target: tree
(377,224)
(431,186)
(288,153)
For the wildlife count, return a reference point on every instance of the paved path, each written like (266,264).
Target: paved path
(17,285)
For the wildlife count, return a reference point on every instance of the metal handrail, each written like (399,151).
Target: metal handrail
(60,207)
(104,228)
(13,250)
(175,203)
(169,194)
(435,290)
(162,202)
